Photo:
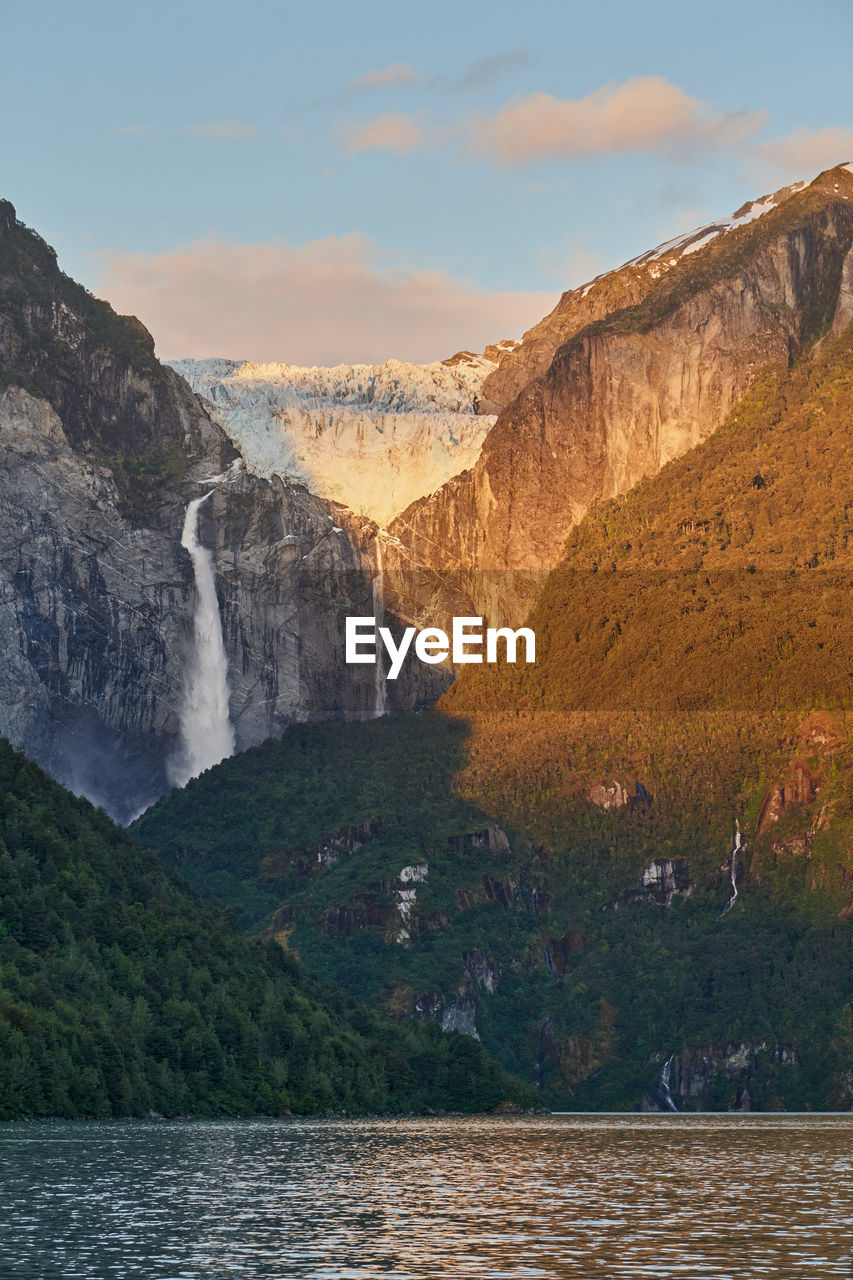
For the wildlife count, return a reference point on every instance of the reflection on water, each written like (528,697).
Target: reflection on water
(586,1196)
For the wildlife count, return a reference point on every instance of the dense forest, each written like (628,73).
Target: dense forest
(122,993)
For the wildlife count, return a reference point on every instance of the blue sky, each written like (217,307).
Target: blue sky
(325,182)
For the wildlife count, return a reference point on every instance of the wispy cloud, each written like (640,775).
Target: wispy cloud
(324,302)
(485,71)
(804,153)
(390,77)
(392,131)
(645,114)
(478,75)
(221,131)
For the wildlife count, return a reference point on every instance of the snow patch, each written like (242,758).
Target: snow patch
(691,241)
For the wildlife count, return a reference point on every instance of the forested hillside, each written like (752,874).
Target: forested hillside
(121,992)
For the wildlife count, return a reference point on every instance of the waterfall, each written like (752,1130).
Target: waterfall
(207,735)
(380,684)
(737,844)
(665,1073)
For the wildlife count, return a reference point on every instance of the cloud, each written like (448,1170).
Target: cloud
(221,131)
(324,302)
(804,153)
(393,131)
(398,73)
(135,130)
(644,114)
(485,71)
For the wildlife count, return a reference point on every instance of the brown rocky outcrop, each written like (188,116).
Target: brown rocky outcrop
(799,787)
(577,1057)
(813,743)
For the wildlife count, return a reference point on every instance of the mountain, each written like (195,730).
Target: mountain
(654,358)
(609,292)
(107,450)
(122,993)
(104,448)
(628,867)
(374,437)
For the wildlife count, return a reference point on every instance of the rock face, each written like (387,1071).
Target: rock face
(374,437)
(612,291)
(735,1077)
(102,449)
(680,341)
(661,880)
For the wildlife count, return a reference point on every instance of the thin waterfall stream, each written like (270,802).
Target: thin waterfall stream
(737,845)
(207,734)
(665,1075)
(380,684)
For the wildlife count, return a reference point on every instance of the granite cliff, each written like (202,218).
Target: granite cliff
(628,373)
(102,449)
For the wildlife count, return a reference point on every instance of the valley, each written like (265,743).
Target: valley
(621,874)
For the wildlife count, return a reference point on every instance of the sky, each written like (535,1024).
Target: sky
(333,183)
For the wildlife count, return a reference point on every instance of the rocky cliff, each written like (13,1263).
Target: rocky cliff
(609,292)
(102,449)
(657,354)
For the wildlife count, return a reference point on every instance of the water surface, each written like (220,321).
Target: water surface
(588,1196)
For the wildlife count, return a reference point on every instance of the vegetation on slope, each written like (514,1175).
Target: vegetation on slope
(121,993)
(694,623)
(695,641)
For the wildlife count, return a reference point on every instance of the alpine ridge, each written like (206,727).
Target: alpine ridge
(628,373)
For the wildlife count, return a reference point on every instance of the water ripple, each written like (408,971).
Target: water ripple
(609,1197)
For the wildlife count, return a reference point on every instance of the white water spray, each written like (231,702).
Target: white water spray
(380,684)
(207,735)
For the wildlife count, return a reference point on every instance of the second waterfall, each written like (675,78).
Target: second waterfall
(207,734)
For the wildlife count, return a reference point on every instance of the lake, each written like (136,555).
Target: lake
(548,1196)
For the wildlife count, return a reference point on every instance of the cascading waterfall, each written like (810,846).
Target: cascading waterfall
(380,684)
(207,735)
(736,847)
(665,1073)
